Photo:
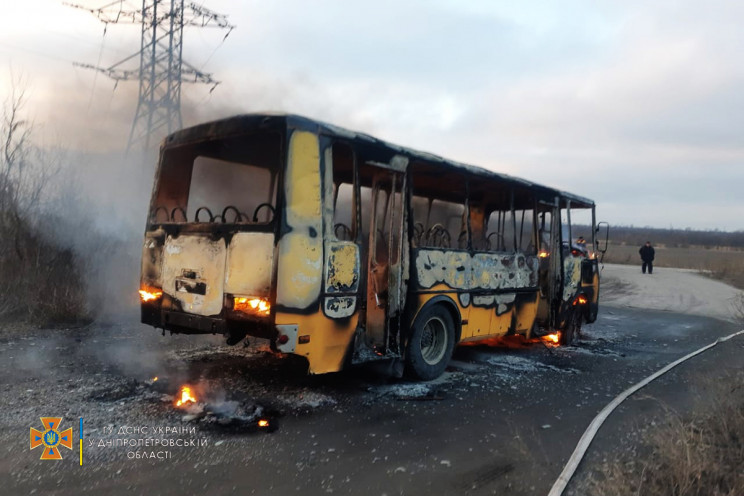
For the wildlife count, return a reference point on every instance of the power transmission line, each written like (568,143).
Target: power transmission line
(161,66)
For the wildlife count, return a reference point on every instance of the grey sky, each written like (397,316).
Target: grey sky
(637,105)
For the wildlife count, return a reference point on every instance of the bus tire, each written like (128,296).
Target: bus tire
(591,313)
(572,331)
(431,343)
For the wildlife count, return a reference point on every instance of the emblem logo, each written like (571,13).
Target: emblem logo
(51,438)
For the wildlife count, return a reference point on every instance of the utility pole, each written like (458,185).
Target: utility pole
(161,66)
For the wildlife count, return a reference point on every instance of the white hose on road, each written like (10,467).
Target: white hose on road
(591,431)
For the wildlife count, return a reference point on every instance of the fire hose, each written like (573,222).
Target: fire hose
(591,431)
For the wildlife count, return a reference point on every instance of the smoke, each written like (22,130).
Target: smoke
(96,205)
(34,359)
(99,200)
(97,208)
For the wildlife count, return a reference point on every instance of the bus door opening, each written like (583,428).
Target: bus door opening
(385,293)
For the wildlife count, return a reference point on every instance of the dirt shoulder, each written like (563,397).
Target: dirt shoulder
(671,290)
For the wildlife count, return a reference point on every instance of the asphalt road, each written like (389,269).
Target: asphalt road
(501,420)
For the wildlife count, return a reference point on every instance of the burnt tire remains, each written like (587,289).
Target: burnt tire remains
(572,331)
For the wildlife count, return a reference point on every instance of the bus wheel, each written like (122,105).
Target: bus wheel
(572,331)
(431,343)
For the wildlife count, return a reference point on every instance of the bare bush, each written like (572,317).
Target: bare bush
(696,455)
(39,280)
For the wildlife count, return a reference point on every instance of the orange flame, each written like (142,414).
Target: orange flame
(543,254)
(149,294)
(255,306)
(185,397)
(554,338)
(155,379)
(263,423)
(580,300)
(516,341)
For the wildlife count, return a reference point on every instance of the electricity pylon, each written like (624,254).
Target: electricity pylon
(161,66)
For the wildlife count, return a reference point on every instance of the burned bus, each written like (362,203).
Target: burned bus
(343,248)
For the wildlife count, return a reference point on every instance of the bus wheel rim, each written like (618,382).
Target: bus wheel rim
(434,341)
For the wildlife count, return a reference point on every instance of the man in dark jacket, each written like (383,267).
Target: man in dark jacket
(647,256)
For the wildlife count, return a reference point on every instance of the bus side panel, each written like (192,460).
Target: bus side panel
(489,316)
(482,284)
(300,279)
(300,248)
(327,339)
(510,312)
(495,272)
(526,308)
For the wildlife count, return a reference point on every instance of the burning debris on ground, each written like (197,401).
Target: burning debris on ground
(185,399)
(236,416)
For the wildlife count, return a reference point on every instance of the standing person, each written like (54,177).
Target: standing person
(647,253)
(581,245)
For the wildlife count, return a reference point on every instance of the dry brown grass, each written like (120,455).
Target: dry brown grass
(39,281)
(725,264)
(695,455)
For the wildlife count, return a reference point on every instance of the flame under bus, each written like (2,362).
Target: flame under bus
(342,248)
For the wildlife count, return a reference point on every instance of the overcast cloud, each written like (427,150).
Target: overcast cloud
(637,105)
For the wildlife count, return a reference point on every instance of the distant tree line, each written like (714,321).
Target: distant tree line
(677,238)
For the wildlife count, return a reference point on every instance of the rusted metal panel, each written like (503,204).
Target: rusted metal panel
(460,270)
(152,258)
(400,270)
(439,266)
(300,261)
(250,262)
(405,264)
(339,307)
(342,276)
(572,274)
(193,272)
(342,267)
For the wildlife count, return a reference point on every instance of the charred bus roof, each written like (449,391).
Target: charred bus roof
(280,123)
